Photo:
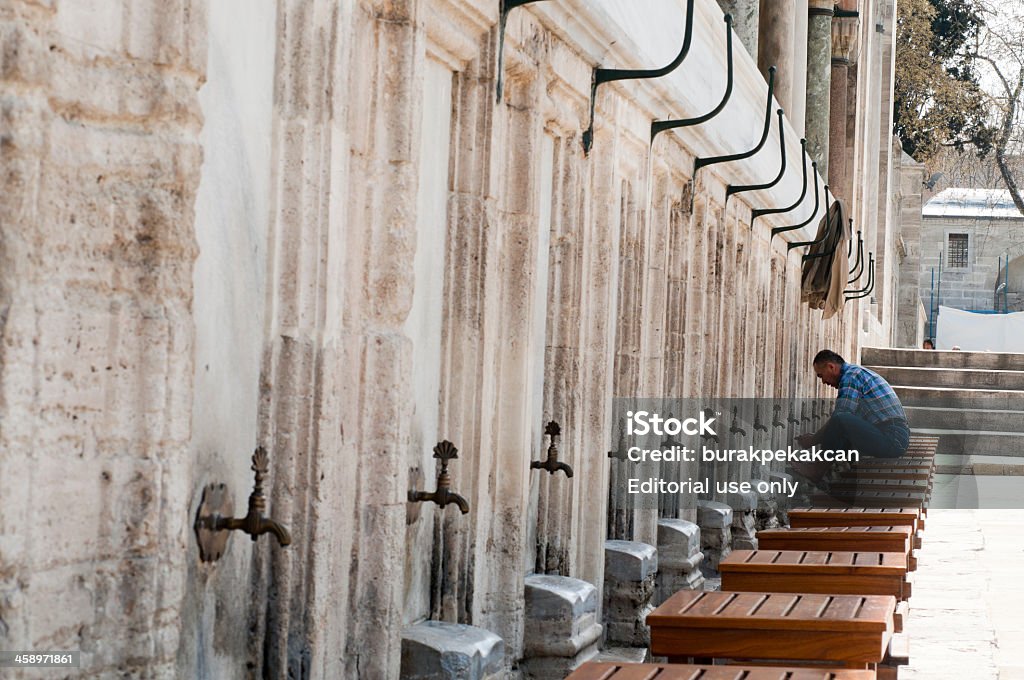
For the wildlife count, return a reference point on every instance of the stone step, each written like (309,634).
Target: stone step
(952,377)
(979,464)
(972,441)
(977,491)
(920,358)
(958,397)
(983,420)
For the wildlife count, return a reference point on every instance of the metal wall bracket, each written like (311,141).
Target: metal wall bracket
(870,287)
(504,7)
(659,126)
(699,163)
(859,264)
(734,189)
(608,75)
(837,238)
(824,237)
(754,214)
(817,202)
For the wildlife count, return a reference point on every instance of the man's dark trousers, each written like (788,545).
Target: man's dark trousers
(849,431)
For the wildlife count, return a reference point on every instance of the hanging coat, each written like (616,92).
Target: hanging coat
(824,276)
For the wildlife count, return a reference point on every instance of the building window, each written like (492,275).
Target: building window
(958,251)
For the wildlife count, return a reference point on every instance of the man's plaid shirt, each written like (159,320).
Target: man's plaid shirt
(866,394)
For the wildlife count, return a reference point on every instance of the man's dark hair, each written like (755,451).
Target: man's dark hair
(827,356)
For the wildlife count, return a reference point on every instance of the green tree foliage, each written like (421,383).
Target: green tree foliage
(937,99)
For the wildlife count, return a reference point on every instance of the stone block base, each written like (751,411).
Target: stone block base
(715,520)
(434,650)
(679,559)
(629,578)
(744,531)
(551,667)
(561,630)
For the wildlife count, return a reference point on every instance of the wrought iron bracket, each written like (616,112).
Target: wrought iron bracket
(734,189)
(699,163)
(504,7)
(859,265)
(817,201)
(835,244)
(609,75)
(825,236)
(870,287)
(754,214)
(659,126)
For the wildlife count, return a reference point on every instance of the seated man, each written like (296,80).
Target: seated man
(868,415)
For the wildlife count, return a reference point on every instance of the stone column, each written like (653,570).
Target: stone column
(844,37)
(744,21)
(797,112)
(819,59)
(776,31)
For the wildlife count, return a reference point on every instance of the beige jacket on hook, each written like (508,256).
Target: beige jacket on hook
(824,278)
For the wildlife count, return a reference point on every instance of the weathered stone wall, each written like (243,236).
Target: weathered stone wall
(100,162)
(387,256)
(989,239)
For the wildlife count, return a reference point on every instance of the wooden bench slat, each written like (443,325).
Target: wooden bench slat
(720,610)
(853,516)
(648,671)
(816,572)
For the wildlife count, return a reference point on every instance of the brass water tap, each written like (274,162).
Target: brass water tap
(213,520)
(709,412)
(735,427)
(776,419)
(551,463)
(254,523)
(791,418)
(758,425)
(444,451)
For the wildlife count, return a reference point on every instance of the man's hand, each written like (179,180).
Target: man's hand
(805,440)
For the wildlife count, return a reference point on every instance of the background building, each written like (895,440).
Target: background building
(311,225)
(967,239)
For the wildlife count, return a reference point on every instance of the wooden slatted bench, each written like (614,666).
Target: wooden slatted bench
(916,472)
(876,499)
(816,571)
(852,630)
(894,463)
(856,539)
(596,670)
(819,516)
(849,485)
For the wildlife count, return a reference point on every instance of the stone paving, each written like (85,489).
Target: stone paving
(967,608)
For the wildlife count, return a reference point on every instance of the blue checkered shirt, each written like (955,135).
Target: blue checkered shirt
(866,394)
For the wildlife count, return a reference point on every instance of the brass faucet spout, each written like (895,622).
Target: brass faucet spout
(282,535)
(444,452)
